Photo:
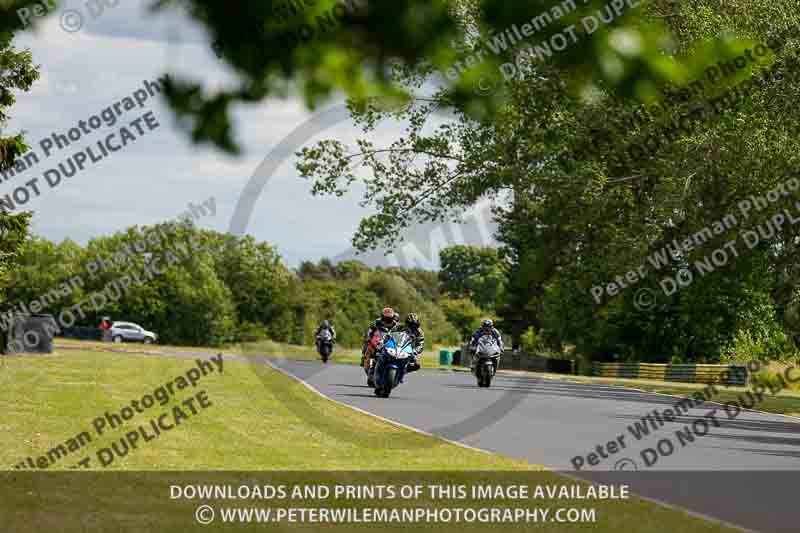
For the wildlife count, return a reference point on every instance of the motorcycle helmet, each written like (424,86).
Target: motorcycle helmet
(412,321)
(326,324)
(487,324)
(388,315)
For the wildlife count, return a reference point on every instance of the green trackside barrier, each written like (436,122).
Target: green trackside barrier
(445,357)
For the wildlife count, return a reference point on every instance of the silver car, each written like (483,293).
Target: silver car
(128,331)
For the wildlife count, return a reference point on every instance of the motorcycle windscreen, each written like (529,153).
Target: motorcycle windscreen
(488,346)
(398,345)
(406,348)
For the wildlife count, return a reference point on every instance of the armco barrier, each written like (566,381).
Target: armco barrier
(687,373)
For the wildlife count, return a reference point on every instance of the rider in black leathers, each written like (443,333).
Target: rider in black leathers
(386,323)
(487,328)
(322,327)
(414,331)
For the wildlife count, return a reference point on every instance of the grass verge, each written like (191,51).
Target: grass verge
(259,419)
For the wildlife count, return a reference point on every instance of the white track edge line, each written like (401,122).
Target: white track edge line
(387,420)
(670,506)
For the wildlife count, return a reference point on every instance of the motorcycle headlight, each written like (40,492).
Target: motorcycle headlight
(392,352)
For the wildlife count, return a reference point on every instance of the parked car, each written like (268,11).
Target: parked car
(130,332)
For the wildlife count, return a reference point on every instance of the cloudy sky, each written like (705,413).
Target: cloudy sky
(158,175)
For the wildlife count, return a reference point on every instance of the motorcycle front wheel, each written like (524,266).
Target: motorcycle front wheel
(391,381)
(484,376)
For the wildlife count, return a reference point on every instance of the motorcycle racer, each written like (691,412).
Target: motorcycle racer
(487,328)
(412,327)
(386,323)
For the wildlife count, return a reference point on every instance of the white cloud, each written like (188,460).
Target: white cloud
(160,173)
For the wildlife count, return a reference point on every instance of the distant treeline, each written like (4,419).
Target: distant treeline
(234,289)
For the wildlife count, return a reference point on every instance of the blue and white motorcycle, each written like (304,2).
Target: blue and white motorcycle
(396,352)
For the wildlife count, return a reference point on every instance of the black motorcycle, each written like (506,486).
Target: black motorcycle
(325,345)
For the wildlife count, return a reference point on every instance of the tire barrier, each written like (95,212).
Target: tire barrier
(30,334)
(685,373)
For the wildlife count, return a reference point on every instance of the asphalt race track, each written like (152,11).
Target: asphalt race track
(744,472)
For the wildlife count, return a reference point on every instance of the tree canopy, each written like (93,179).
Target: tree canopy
(471,48)
(474,273)
(18,73)
(600,182)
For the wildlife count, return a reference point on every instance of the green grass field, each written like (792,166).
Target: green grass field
(257,420)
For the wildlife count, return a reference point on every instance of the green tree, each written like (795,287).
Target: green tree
(186,302)
(426,282)
(590,205)
(47,272)
(18,74)
(463,314)
(254,273)
(360,47)
(472,272)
